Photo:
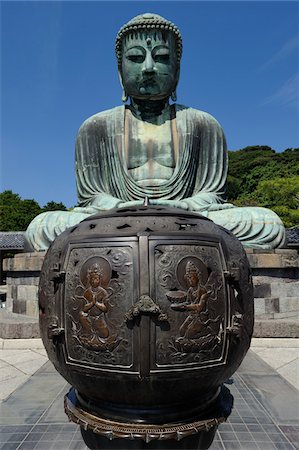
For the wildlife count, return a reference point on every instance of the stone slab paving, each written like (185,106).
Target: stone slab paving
(19,359)
(281,354)
(265,414)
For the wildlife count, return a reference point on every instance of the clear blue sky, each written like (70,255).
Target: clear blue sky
(240,63)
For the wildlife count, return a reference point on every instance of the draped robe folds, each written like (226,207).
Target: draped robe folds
(199,178)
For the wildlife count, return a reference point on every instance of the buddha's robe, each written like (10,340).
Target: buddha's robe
(198,180)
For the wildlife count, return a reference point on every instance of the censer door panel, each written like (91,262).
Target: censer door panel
(187,283)
(100,287)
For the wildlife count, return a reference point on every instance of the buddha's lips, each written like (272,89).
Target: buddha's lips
(148,82)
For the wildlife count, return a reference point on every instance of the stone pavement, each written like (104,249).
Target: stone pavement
(282,355)
(265,414)
(21,358)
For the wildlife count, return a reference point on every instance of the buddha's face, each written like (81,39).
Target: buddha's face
(149,65)
(192,279)
(94,280)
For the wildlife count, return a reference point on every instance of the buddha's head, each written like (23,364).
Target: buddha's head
(148,50)
(94,275)
(192,275)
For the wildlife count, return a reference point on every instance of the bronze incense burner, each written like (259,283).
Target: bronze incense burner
(146,312)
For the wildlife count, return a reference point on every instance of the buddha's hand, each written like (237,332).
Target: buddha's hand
(130,204)
(154,202)
(104,202)
(170,203)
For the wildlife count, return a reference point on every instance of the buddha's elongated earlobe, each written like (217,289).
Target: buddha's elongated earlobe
(173,94)
(124,93)
(124,96)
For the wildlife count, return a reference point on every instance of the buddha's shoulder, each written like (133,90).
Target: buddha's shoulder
(102,118)
(202,117)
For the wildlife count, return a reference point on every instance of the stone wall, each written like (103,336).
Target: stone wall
(275,277)
(22,282)
(276,292)
(276,283)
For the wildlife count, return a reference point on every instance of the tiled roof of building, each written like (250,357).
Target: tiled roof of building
(293,235)
(12,240)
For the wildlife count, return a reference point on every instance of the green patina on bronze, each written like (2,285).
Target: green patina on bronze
(174,155)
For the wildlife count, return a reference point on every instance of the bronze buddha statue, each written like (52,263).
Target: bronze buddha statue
(172,154)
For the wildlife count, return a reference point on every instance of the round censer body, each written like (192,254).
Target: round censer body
(146,313)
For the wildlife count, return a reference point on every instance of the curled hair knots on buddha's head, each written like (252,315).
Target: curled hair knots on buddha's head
(144,23)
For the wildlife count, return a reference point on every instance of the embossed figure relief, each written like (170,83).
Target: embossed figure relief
(196,304)
(98,283)
(197,330)
(95,333)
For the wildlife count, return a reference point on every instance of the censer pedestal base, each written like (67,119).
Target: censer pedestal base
(100,433)
(201,440)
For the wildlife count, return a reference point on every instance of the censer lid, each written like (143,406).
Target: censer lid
(147,210)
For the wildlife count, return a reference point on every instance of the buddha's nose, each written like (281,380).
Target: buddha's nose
(149,64)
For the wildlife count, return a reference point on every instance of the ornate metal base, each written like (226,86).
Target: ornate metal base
(202,440)
(100,433)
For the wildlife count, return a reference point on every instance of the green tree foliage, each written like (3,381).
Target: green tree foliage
(16,213)
(250,165)
(258,176)
(278,192)
(53,206)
